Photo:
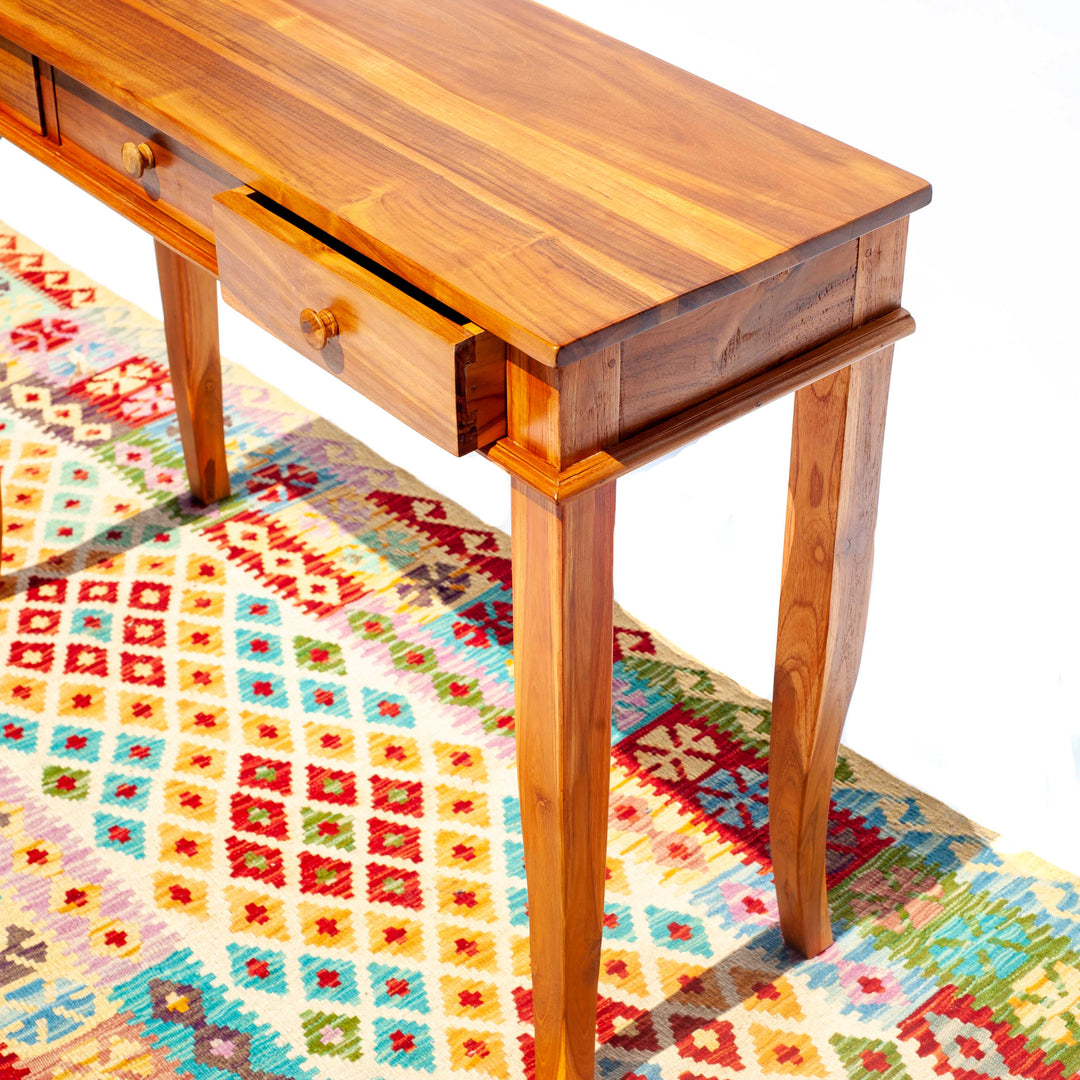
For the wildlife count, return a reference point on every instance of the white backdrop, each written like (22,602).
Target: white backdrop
(969,685)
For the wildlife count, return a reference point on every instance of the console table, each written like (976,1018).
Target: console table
(525,238)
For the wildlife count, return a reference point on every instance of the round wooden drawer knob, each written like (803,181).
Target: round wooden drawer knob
(318,326)
(137,159)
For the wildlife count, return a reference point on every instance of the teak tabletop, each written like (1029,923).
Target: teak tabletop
(558,187)
(522,237)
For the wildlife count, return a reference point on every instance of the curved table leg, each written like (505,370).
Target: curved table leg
(189,297)
(836,445)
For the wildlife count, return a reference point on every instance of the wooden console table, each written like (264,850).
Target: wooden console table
(525,238)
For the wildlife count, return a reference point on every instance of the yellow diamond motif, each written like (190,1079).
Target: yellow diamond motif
(786,1053)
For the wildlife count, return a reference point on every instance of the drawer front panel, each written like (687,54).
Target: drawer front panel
(180,182)
(438,373)
(18,86)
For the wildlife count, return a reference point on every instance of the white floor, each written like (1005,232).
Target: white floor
(969,685)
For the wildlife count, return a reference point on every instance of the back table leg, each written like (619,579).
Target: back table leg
(828,553)
(189,297)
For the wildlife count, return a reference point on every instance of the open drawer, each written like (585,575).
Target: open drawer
(411,355)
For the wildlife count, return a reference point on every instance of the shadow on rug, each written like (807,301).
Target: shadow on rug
(257,800)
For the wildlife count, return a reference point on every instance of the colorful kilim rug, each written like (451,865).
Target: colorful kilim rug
(257,799)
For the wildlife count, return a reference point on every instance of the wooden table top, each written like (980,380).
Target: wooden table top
(558,187)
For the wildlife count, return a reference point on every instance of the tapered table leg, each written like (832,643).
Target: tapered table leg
(189,297)
(828,553)
(562,674)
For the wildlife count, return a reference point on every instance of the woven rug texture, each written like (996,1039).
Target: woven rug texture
(258,813)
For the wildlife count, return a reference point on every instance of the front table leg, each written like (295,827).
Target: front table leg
(189,297)
(563,609)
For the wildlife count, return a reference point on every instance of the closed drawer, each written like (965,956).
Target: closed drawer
(422,362)
(18,86)
(177,180)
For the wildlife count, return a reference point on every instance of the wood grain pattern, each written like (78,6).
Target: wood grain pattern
(563,609)
(839,424)
(561,415)
(648,444)
(559,188)
(189,298)
(18,85)
(408,356)
(180,182)
(697,355)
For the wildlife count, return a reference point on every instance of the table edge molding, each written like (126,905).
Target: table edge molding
(784,377)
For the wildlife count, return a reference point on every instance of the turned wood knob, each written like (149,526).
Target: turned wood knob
(318,326)
(137,159)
